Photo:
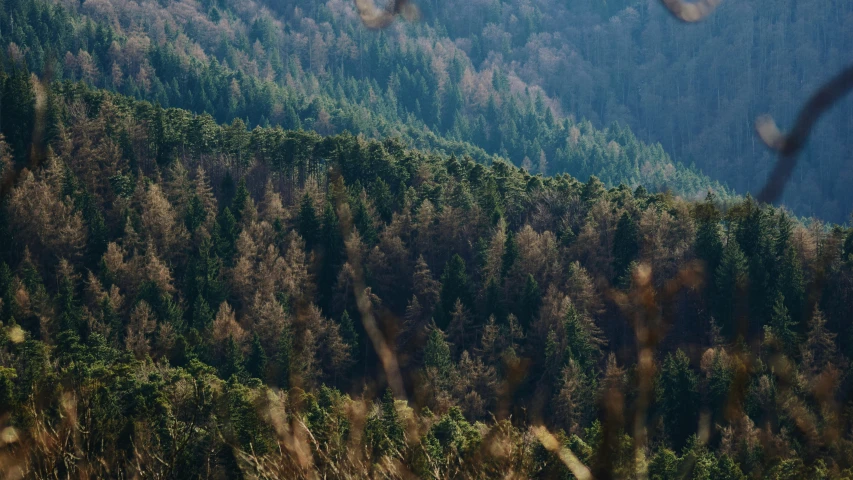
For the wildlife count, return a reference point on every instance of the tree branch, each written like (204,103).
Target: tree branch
(691,11)
(790,145)
(375,18)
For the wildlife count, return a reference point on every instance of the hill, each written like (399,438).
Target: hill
(313,66)
(184,299)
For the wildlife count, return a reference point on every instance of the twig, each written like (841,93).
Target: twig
(376,18)
(790,145)
(691,11)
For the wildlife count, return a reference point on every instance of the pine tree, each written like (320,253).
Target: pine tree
(678,397)
(437,354)
(782,327)
(493,301)
(709,243)
(226,236)
(391,422)
(664,465)
(454,286)
(819,348)
(731,281)
(626,245)
(528,305)
(17,110)
(330,250)
(510,253)
(256,363)
(284,357)
(242,200)
(727,469)
(792,287)
(349,334)
(307,223)
(233,363)
(582,344)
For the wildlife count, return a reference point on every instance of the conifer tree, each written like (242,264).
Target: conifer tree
(528,305)
(709,243)
(437,354)
(731,281)
(331,247)
(349,334)
(782,327)
(678,397)
(307,223)
(454,286)
(510,253)
(256,362)
(626,245)
(233,363)
(284,357)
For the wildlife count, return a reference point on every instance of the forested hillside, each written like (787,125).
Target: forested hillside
(498,75)
(183,299)
(312,65)
(697,89)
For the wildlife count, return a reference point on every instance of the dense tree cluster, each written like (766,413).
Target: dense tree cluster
(501,76)
(181,298)
(312,65)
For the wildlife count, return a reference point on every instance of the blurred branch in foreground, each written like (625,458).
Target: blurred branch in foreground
(691,11)
(374,17)
(789,145)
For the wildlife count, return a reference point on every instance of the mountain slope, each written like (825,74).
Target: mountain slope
(697,89)
(180,298)
(317,68)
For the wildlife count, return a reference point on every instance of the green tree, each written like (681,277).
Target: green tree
(307,223)
(510,253)
(233,363)
(528,305)
(732,277)
(437,354)
(678,397)
(626,245)
(664,465)
(782,327)
(256,363)
(454,286)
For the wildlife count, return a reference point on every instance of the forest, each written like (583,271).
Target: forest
(185,299)
(276,65)
(258,240)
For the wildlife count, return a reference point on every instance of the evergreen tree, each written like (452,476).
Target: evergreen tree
(529,303)
(664,465)
(349,334)
(307,223)
(330,250)
(233,363)
(493,302)
(241,200)
(731,281)
(256,363)
(782,327)
(678,397)
(709,243)
(17,110)
(792,287)
(454,286)
(437,354)
(626,245)
(284,357)
(510,253)
(226,236)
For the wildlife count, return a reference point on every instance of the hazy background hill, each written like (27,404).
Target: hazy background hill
(696,89)
(312,65)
